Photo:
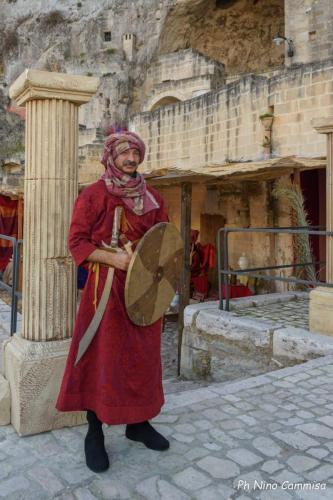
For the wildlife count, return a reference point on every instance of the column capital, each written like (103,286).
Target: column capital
(34,84)
(323,125)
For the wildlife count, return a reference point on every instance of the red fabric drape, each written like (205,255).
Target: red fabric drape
(8,226)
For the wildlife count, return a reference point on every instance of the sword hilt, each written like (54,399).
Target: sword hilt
(118,212)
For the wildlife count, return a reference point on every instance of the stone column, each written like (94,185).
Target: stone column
(321,299)
(34,360)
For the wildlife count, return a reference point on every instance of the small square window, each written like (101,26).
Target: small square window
(107,36)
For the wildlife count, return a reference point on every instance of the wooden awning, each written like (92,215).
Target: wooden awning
(234,172)
(214,174)
(12,192)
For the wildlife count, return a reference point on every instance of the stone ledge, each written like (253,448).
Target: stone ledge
(300,344)
(265,299)
(293,370)
(216,341)
(292,343)
(239,329)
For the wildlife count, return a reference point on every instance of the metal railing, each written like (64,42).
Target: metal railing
(12,289)
(225,272)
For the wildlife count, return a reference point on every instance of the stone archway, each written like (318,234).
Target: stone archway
(163,99)
(164,102)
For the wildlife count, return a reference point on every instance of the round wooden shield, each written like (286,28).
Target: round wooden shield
(153,274)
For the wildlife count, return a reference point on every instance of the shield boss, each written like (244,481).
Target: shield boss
(153,274)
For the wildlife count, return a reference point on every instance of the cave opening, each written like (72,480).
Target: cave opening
(223,4)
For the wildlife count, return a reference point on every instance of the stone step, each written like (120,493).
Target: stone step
(173,385)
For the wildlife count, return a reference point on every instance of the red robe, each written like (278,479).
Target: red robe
(120,375)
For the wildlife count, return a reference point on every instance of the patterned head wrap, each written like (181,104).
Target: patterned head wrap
(132,190)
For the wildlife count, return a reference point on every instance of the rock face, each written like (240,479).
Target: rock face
(86,38)
(11,129)
(116,40)
(236,32)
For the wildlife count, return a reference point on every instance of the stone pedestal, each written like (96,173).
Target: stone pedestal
(34,361)
(321,310)
(34,371)
(321,299)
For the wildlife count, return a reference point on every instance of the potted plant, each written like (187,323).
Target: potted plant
(267,120)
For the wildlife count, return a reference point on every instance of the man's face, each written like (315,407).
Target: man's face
(128,161)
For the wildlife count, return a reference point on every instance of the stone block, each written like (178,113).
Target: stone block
(321,310)
(195,363)
(34,371)
(191,311)
(273,298)
(237,329)
(296,343)
(4,401)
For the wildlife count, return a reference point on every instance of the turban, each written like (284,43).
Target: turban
(120,142)
(132,190)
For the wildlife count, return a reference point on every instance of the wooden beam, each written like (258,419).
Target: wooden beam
(185,229)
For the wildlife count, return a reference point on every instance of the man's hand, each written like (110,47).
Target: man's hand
(119,260)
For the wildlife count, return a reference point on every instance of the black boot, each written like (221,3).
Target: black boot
(147,435)
(96,457)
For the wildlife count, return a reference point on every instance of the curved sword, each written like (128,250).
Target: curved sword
(95,322)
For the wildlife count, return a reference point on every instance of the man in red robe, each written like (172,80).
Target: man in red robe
(119,378)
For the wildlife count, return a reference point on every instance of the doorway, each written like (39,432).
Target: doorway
(313,185)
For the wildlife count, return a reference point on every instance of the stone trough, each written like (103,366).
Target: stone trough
(220,345)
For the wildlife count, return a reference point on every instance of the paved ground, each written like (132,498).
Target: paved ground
(265,437)
(275,429)
(293,313)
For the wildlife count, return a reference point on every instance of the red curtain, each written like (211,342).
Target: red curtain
(8,226)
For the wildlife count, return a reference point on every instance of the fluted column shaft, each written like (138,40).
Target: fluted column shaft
(49,289)
(49,292)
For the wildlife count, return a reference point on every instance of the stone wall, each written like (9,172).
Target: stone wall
(224,125)
(181,65)
(90,167)
(310,26)
(181,75)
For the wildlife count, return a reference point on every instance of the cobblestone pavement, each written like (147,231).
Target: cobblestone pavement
(276,429)
(293,313)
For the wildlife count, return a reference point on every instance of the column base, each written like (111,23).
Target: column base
(321,310)
(34,371)
(4,401)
